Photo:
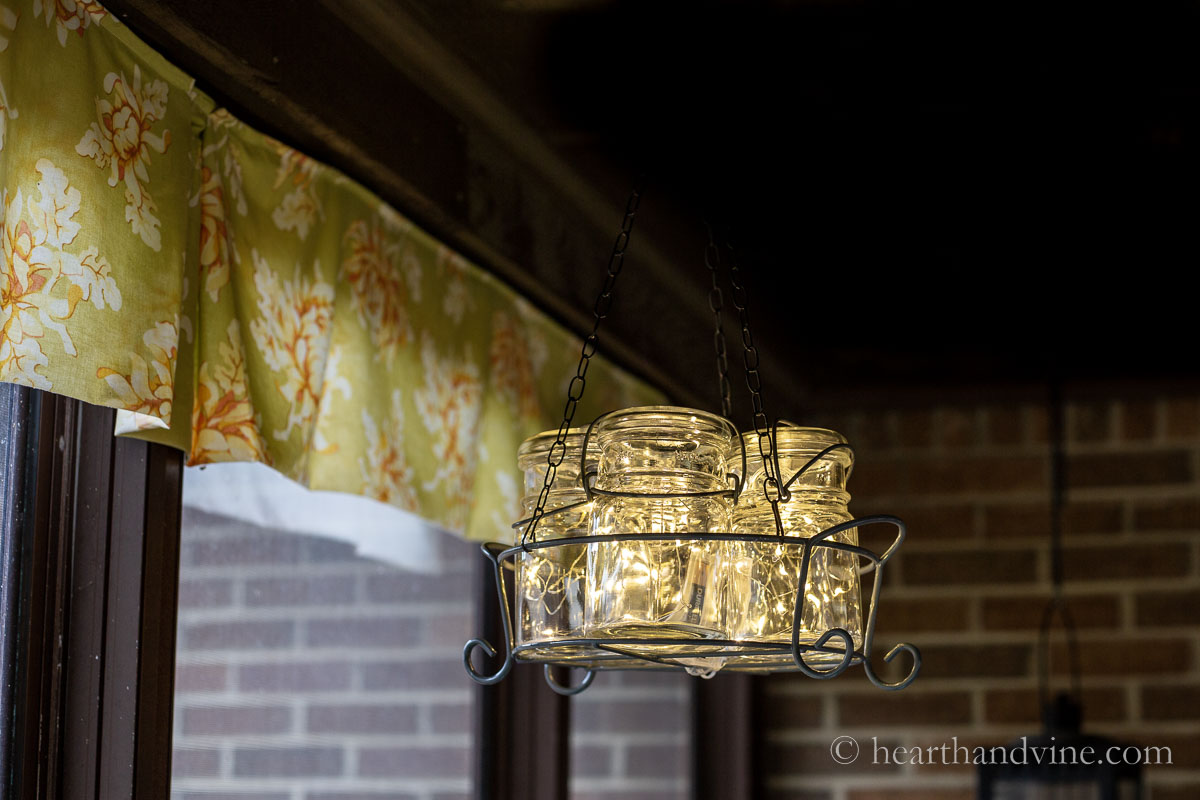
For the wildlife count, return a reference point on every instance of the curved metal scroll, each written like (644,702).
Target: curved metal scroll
(493,550)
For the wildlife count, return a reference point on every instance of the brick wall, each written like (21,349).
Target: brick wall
(305,672)
(972,579)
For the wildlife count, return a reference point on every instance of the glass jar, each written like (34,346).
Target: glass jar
(550,581)
(663,588)
(763,578)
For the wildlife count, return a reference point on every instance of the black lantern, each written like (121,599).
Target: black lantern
(1062,762)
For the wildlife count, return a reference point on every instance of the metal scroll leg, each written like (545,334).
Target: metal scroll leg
(492,551)
(907,679)
(567,691)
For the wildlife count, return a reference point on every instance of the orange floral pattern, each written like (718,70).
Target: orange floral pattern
(456,301)
(34,267)
(515,359)
(149,388)
(300,208)
(69,15)
(377,271)
(450,403)
(214,235)
(292,331)
(386,474)
(224,425)
(121,140)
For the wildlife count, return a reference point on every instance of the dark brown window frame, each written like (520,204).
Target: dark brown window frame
(96,624)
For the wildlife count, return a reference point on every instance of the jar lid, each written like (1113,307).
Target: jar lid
(534,449)
(652,418)
(794,441)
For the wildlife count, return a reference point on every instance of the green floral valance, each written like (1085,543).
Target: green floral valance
(242,302)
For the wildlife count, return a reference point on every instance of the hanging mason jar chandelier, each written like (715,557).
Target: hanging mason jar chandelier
(660,537)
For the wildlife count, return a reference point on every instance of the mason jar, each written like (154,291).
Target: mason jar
(550,582)
(764,578)
(661,588)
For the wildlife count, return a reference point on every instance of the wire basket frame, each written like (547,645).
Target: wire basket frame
(611,653)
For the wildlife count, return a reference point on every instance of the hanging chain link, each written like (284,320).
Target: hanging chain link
(558,450)
(772,488)
(716,300)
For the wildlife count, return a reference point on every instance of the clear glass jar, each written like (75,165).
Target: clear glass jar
(550,582)
(763,578)
(659,588)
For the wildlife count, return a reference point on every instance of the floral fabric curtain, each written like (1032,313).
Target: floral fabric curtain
(242,302)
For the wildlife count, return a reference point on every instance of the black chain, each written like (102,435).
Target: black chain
(558,450)
(712,259)
(772,489)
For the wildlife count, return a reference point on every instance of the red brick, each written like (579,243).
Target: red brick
(1168,609)
(914,428)
(239,635)
(299,762)
(1021,706)
(591,761)
(1182,418)
(909,708)
(781,712)
(794,794)
(381,718)
(313,677)
(1184,751)
(1144,560)
(1038,422)
(931,793)
(195,763)
(413,674)
(952,522)
(957,428)
(1096,470)
(976,475)
(205,593)
(969,567)
(1139,420)
(313,590)
(1025,612)
(228,720)
(200,678)
(446,629)
(975,661)
(816,759)
(875,477)
(1187,791)
(1089,422)
(414,762)
(448,718)
(1170,702)
(653,716)
(242,551)
(650,761)
(1005,425)
(932,614)
(389,632)
(1182,514)
(1033,521)
(394,587)
(1124,657)
(949,754)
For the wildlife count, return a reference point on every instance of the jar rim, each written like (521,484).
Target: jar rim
(796,440)
(540,443)
(628,417)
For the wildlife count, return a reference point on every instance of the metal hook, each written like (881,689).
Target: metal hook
(568,691)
